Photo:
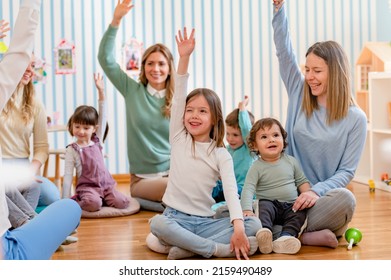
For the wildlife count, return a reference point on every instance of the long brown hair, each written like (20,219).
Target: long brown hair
(339,94)
(166,109)
(218,130)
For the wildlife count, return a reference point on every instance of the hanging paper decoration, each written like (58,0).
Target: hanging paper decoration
(64,55)
(40,72)
(132,52)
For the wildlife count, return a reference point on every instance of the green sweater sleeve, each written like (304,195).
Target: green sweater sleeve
(107,60)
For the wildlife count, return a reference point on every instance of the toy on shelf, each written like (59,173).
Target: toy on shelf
(371,184)
(385,179)
(353,236)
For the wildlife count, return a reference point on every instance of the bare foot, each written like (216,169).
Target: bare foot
(323,237)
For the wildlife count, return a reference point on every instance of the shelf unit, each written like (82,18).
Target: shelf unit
(373,163)
(362,88)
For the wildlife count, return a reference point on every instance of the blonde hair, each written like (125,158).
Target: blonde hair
(339,94)
(166,109)
(28,102)
(218,130)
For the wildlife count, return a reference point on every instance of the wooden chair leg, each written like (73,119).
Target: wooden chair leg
(45,167)
(57,177)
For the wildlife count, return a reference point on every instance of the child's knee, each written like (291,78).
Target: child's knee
(117,200)
(157,223)
(121,203)
(90,204)
(252,225)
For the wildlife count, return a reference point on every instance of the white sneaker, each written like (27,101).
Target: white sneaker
(286,245)
(265,240)
(70,240)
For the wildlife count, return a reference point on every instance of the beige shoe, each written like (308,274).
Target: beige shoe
(265,240)
(286,245)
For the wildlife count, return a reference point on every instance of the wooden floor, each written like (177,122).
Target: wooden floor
(123,238)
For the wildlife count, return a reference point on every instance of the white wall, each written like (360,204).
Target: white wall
(234,55)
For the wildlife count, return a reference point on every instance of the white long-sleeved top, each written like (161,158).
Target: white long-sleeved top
(20,50)
(194,172)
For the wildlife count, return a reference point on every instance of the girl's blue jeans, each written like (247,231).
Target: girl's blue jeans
(197,234)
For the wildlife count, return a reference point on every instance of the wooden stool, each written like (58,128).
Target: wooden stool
(57,176)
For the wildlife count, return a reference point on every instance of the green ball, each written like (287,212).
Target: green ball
(353,233)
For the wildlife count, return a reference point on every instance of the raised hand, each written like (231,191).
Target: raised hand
(277,4)
(120,11)
(3,28)
(185,48)
(185,44)
(100,85)
(243,104)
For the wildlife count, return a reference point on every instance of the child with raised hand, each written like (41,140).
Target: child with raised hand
(95,186)
(276,179)
(198,158)
(238,125)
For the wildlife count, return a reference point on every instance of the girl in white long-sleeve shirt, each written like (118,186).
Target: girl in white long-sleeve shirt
(198,159)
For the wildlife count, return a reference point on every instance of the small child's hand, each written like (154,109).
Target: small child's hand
(278,4)
(247,213)
(243,104)
(100,85)
(3,28)
(185,44)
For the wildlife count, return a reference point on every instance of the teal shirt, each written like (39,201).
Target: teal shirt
(147,129)
(241,156)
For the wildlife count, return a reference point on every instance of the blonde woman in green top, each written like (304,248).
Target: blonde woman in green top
(148,103)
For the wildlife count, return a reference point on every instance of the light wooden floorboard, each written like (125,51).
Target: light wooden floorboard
(123,238)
